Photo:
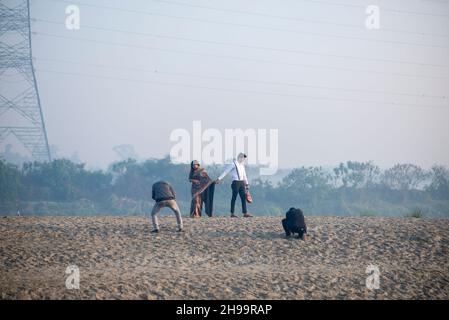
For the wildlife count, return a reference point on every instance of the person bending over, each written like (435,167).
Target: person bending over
(164,196)
(294,222)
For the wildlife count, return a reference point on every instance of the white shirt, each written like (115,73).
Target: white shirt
(238,172)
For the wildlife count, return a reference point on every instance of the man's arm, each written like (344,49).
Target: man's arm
(226,172)
(245,178)
(152,193)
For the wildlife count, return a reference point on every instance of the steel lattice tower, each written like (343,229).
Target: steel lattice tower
(20,107)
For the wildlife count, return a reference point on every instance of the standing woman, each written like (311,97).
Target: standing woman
(200,182)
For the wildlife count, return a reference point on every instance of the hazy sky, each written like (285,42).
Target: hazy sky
(271,64)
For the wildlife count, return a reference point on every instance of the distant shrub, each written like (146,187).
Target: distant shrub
(416,213)
(368,213)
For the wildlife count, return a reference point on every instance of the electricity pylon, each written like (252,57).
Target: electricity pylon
(20,106)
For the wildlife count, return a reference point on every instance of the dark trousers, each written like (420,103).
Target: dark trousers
(208,199)
(292,229)
(238,187)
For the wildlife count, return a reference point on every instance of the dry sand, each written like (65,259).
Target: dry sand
(223,258)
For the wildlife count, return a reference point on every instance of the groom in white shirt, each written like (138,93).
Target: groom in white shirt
(239,183)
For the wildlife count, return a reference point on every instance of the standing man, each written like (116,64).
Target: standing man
(164,196)
(239,183)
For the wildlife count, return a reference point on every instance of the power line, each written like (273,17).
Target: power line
(333,99)
(289,51)
(238,58)
(159,72)
(347,5)
(216,42)
(436,1)
(305,20)
(312,1)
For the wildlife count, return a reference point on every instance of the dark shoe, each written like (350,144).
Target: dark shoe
(301,236)
(155,231)
(233,215)
(180,230)
(247,215)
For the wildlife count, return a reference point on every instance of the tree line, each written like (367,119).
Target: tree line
(351,188)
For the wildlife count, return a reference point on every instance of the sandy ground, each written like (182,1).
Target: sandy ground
(223,258)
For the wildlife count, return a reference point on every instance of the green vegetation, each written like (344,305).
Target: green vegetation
(368,213)
(416,213)
(62,187)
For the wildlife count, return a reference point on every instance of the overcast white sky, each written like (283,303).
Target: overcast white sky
(90,115)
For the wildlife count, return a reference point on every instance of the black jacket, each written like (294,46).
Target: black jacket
(295,218)
(162,191)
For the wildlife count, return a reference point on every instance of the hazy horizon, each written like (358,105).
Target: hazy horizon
(252,64)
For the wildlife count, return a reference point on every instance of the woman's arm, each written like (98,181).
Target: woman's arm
(195,181)
(205,175)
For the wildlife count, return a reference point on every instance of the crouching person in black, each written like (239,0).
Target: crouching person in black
(294,223)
